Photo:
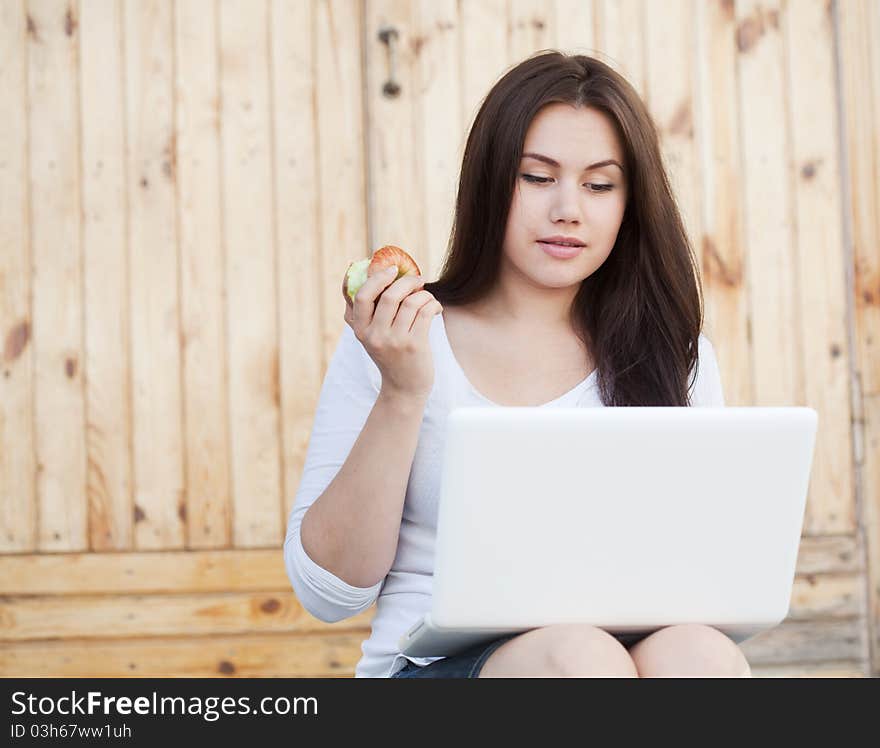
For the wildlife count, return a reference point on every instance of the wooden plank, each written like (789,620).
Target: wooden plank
(822,597)
(120,616)
(860,73)
(765,180)
(721,245)
(871,359)
(812,670)
(441,144)
(483,54)
(254,656)
(814,596)
(339,92)
(859,25)
(59,401)
(671,98)
(832,554)
(531,28)
(203,335)
(575,29)
(870,367)
(871,522)
(259,569)
(821,273)
(395,187)
(18,517)
(159,501)
(808,642)
(109,477)
(247,656)
(296,227)
(620,39)
(128,573)
(251,274)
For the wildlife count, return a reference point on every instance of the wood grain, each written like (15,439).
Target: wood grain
(768,207)
(396,166)
(203,285)
(296,214)
(721,246)
(157,432)
(169,571)
(18,509)
(190,614)
(108,357)
(483,54)
(821,277)
(808,642)
(859,25)
(251,274)
(440,143)
(247,656)
(57,287)
(620,31)
(531,27)
(339,39)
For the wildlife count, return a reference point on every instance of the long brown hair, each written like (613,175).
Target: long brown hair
(641,312)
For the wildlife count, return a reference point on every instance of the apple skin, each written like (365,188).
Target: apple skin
(358,271)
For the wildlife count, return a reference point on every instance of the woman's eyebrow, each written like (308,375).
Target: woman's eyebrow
(551,162)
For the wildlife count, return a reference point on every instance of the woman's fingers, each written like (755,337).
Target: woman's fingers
(409,307)
(391,299)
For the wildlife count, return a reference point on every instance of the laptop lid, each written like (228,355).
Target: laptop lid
(621,517)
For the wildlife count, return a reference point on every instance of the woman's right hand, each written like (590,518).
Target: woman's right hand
(394,331)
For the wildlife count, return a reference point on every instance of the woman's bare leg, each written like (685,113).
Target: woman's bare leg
(560,651)
(689,651)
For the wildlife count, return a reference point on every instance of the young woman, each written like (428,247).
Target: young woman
(569,282)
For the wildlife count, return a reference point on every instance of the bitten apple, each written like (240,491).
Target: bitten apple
(384,257)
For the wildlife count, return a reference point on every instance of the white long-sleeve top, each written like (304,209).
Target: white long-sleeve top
(349,391)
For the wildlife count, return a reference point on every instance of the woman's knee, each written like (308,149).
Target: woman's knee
(690,650)
(564,651)
(578,650)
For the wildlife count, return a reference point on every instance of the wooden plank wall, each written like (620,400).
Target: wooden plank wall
(181,186)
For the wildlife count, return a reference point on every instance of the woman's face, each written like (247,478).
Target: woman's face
(570,198)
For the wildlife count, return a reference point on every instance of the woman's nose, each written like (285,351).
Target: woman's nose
(565,205)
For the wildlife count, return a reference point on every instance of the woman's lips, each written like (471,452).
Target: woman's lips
(561,251)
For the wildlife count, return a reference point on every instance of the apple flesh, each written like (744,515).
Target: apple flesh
(355,277)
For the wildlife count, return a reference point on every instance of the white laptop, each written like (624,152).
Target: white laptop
(629,519)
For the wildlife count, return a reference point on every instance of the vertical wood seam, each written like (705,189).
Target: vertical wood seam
(129,369)
(181,308)
(83,359)
(365,123)
(693,29)
(273,196)
(857,423)
(463,114)
(221,180)
(646,86)
(417,95)
(800,375)
(508,30)
(743,213)
(319,192)
(32,272)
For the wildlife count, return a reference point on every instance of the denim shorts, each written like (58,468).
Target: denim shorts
(467,664)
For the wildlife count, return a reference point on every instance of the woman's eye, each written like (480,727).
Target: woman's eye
(544,180)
